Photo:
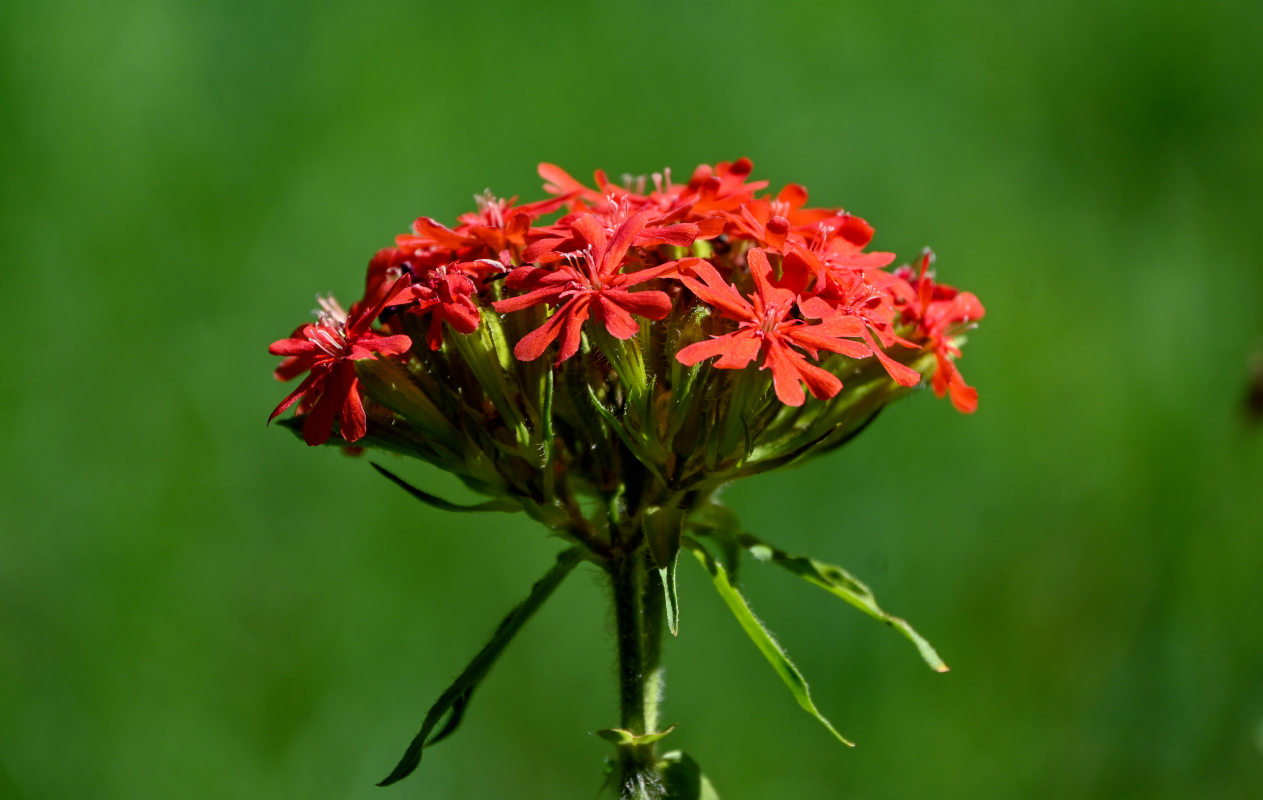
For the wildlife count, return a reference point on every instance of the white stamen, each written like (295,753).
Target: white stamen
(491,207)
(329,313)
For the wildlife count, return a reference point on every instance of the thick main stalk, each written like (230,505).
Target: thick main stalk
(638,613)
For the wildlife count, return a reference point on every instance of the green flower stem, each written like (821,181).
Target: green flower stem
(638,614)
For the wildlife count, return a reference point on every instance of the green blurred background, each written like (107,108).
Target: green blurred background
(193,605)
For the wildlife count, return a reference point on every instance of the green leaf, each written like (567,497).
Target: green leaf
(451,704)
(667,576)
(663,526)
(684,779)
(624,738)
(717,520)
(504,504)
(839,582)
(771,650)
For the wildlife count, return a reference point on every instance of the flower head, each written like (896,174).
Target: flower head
(699,330)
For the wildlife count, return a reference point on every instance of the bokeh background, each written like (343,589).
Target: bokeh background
(194,605)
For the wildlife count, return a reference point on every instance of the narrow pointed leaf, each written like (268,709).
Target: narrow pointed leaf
(667,575)
(454,717)
(663,526)
(839,582)
(438,502)
(769,647)
(451,704)
(716,521)
(722,526)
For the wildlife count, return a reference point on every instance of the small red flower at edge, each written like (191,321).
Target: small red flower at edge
(328,348)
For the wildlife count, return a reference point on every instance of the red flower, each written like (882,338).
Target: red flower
(765,328)
(446,293)
(586,282)
(770,221)
(942,312)
(328,348)
(851,303)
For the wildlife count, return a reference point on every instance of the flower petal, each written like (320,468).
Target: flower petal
(652,304)
(319,424)
(717,292)
(558,181)
(351,421)
(571,336)
(548,294)
(780,360)
(681,235)
(592,232)
(532,345)
(811,338)
(371,343)
(731,346)
(820,382)
(903,375)
(617,320)
(612,259)
(304,387)
(293,347)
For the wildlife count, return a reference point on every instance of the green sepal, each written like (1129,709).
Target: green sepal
(624,738)
(625,356)
(451,704)
(550,515)
(479,353)
(499,504)
(377,438)
(684,779)
(762,638)
(390,383)
(617,426)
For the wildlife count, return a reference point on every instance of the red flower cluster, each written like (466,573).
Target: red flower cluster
(781,284)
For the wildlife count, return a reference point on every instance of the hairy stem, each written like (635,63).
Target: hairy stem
(638,613)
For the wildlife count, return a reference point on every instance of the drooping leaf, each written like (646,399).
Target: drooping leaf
(438,502)
(721,525)
(454,716)
(451,704)
(717,522)
(839,582)
(684,779)
(768,646)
